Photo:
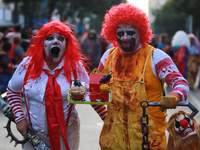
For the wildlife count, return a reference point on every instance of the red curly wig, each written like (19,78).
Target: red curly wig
(127,14)
(73,54)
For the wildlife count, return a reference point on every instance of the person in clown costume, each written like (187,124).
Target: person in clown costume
(139,72)
(53,61)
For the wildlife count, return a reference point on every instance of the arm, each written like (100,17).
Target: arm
(165,69)
(14,98)
(101,109)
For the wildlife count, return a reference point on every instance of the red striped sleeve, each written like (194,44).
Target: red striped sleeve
(101,110)
(14,100)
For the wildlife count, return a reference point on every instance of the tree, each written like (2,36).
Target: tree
(172,16)
(190,7)
(69,8)
(168,20)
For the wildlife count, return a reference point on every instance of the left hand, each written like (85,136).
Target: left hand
(169,102)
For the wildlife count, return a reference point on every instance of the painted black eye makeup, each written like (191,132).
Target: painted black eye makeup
(131,33)
(120,33)
(61,38)
(49,38)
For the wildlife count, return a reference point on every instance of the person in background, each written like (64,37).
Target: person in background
(92,48)
(164,45)
(5,67)
(139,72)
(5,31)
(26,36)
(19,53)
(193,60)
(1,46)
(180,45)
(154,41)
(44,77)
(104,44)
(12,34)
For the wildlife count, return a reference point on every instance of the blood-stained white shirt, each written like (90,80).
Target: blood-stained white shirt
(165,69)
(34,91)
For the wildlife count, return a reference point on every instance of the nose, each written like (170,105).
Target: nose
(183,123)
(55,41)
(125,38)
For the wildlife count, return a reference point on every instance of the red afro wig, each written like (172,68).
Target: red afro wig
(127,14)
(73,54)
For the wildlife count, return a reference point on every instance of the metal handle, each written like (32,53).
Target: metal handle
(194,110)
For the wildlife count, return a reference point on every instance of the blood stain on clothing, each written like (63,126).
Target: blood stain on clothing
(125,117)
(119,64)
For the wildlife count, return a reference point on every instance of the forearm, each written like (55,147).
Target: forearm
(14,100)
(101,110)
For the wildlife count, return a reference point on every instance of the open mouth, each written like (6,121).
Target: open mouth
(55,51)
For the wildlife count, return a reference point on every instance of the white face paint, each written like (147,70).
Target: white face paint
(184,126)
(128,37)
(55,46)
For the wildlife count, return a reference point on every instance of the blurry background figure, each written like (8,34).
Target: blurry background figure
(154,41)
(5,67)
(164,44)
(12,34)
(92,49)
(5,31)
(1,35)
(1,47)
(16,53)
(193,58)
(180,45)
(26,36)
(18,50)
(104,44)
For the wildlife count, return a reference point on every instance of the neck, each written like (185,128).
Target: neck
(52,65)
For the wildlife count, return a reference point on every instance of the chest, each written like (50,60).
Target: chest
(35,89)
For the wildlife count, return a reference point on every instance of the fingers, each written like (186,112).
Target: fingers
(169,102)
(22,127)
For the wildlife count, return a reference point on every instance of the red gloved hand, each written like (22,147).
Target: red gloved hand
(169,102)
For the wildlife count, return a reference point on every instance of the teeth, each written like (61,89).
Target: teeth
(186,131)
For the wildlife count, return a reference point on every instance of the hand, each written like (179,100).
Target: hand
(169,101)
(22,127)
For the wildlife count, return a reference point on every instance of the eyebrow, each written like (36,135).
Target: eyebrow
(127,28)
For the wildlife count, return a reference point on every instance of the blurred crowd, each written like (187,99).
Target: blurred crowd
(184,49)
(14,43)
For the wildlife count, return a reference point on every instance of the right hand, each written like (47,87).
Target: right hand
(22,127)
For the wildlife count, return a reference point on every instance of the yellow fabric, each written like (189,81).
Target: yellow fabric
(131,84)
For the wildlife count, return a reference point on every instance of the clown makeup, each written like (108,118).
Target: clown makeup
(55,46)
(128,37)
(184,126)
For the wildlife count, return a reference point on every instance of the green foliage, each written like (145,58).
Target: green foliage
(69,8)
(172,16)
(168,20)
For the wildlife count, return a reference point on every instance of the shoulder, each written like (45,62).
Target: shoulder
(25,61)
(106,53)
(159,55)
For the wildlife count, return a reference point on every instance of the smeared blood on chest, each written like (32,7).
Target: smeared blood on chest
(126,101)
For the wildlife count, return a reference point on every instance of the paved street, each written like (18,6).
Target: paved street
(91,124)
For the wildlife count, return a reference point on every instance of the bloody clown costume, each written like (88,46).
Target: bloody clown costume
(44,77)
(139,72)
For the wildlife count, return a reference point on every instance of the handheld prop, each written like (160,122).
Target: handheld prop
(35,141)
